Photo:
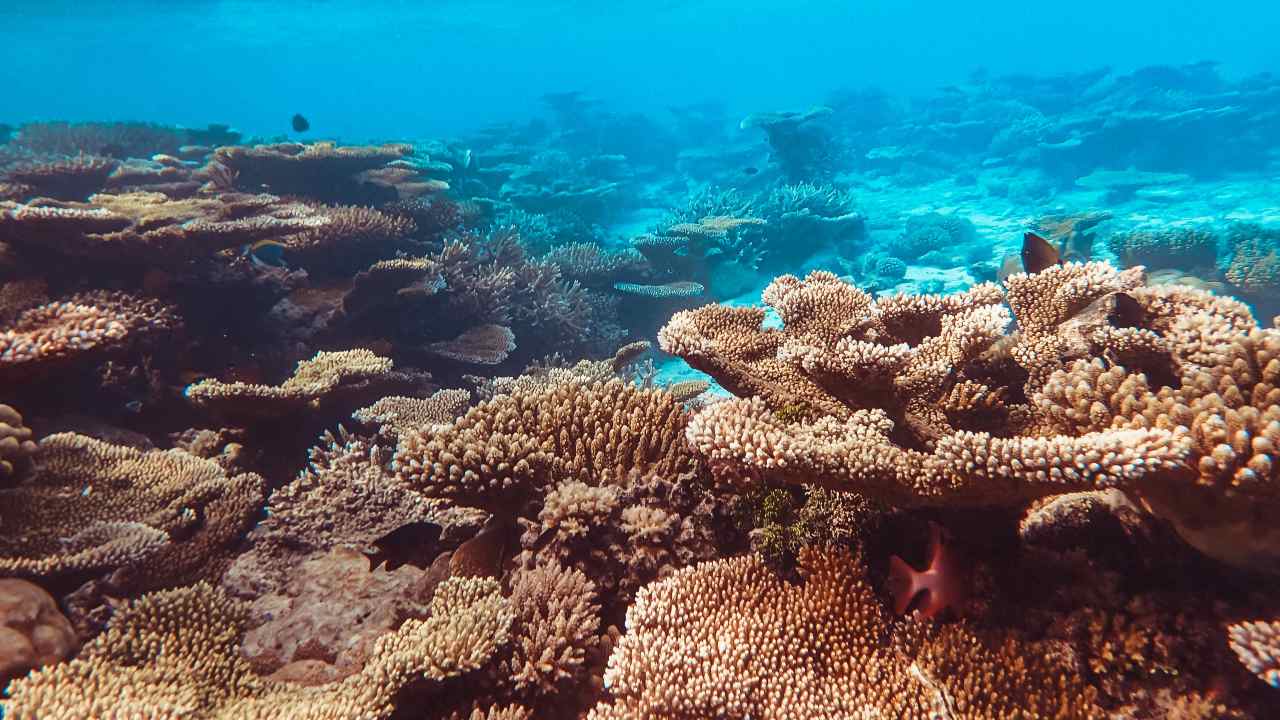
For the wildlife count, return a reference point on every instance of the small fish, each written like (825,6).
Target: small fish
(1126,312)
(750,171)
(1038,254)
(265,252)
(484,554)
(406,545)
(133,406)
(300,124)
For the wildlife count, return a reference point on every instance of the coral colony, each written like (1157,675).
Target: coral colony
(961,407)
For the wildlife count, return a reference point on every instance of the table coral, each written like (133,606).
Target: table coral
(175,654)
(324,376)
(322,171)
(151,229)
(166,517)
(81,326)
(1200,397)
(730,638)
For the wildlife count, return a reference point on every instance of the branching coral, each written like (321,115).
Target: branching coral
(93,508)
(556,628)
(395,413)
(175,654)
(731,639)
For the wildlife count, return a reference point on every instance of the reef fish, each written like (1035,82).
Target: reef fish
(300,124)
(750,171)
(1038,254)
(265,252)
(406,545)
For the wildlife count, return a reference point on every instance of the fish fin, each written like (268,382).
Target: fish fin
(902,583)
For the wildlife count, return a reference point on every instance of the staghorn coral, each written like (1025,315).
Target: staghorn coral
(324,378)
(33,632)
(1257,644)
(161,517)
(175,654)
(731,639)
(149,228)
(16,446)
(592,265)
(83,326)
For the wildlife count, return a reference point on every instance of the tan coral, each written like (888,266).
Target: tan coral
(731,639)
(351,238)
(167,517)
(175,654)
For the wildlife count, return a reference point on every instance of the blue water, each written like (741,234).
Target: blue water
(388,68)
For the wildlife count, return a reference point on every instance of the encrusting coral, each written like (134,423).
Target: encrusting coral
(175,654)
(162,518)
(729,638)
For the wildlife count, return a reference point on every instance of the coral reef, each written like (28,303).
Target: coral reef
(729,638)
(33,632)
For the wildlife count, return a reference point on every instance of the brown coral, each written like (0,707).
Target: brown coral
(33,632)
(395,414)
(80,326)
(72,178)
(350,240)
(175,654)
(556,628)
(323,171)
(16,445)
(731,639)
(90,507)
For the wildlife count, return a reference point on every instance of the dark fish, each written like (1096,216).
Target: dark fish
(1126,312)
(1038,254)
(300,124)
(265,252)
(750,171)
(410,544)
(483,555)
